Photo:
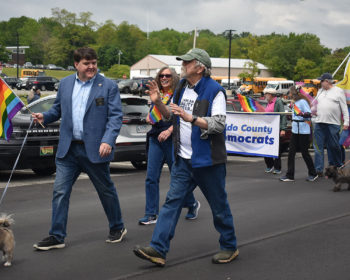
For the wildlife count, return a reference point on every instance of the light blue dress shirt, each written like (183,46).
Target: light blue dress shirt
(80,96)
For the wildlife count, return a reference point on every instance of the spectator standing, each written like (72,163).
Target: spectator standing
(199,115)
(275,104)
(160,143)
(301,132)
(331,105)
(34,94)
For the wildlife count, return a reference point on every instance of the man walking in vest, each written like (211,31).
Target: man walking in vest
(198,112)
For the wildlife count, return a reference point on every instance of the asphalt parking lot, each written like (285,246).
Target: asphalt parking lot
(285,230)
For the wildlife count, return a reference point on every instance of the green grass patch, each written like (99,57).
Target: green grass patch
(59,74)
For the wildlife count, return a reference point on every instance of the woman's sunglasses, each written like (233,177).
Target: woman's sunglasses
(165,76)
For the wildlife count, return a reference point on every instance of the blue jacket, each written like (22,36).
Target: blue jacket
(205,152)
(102,120)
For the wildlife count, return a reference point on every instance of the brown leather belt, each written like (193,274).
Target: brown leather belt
(79,142)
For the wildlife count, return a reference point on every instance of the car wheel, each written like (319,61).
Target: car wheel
(141,165)
(127,90)
(45,171)
(43,88)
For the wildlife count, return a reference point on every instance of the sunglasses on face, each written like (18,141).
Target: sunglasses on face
(165,76)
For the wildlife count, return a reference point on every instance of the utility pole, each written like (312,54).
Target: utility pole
(119,53)
(229,56)
(194,37)
(17,58)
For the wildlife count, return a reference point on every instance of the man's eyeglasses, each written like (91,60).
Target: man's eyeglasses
(165,76)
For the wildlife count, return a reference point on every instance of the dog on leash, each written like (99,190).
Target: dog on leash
(7,239)
(339,176)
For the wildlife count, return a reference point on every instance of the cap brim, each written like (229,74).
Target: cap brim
(185,57)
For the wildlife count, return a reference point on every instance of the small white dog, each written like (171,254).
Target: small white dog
(7,239)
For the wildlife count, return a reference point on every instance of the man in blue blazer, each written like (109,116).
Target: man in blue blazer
(91,117)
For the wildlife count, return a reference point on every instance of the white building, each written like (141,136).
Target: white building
(151,64)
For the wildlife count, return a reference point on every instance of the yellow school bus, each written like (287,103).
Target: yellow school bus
(311,86)
(257,86)
(32,73)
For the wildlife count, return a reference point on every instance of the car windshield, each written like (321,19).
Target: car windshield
(309,85)
(247,82)
(39,107)
(134,107)
(272,86)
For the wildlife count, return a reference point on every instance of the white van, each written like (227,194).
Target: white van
(281,87)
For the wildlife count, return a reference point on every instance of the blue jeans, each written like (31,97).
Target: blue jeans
(326,134)
(67,171)
(211,181)
(158,154)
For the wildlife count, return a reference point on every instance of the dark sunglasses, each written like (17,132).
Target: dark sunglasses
(165,76)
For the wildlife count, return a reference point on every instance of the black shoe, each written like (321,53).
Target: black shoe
(193,211)
(49,243)
(319,174)
(116,236)
(150,254)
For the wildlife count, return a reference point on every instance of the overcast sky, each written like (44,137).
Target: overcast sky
(329,20)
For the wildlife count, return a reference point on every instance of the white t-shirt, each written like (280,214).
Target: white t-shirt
(331,104)
(187,102)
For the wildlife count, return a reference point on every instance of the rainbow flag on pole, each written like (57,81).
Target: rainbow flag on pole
(249,104)
(10,104)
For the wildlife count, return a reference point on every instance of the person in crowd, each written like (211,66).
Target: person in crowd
(331,106)
(198,113)
(33,95)
(159,140)
(301,132)
(91,117)
(275,104)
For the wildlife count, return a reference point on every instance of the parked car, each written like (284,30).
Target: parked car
(11,81)
(42,82)
(142,84)
(28,65)
(233,105)
(40,66)
(22,83)
(57,84)
(128,86)
(51,67)
(40,149)
(71,68)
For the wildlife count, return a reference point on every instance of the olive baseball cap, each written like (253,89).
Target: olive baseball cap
(198,54)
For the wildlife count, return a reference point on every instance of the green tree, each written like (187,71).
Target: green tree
(118,71)
(304,69)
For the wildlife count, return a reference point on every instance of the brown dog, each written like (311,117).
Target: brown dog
(7,240)
(339,175)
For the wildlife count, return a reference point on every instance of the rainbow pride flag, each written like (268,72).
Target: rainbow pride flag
(297,111)
(154,115)
(10,104)
(249,104)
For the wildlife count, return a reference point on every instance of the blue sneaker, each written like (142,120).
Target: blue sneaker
(193,211)
(268,170)
(148,220)
(311,178)
(277,171)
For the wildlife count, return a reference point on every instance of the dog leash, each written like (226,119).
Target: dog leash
(14,166)
(341,167)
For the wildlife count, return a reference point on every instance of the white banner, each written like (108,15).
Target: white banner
(253,134)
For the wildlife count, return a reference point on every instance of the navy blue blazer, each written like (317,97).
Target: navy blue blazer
(102,119)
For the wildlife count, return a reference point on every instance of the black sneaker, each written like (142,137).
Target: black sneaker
(193,211)
(49,243)
(150,254)
(116,236)
(148,220)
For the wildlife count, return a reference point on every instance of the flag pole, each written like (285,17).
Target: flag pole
(341,64)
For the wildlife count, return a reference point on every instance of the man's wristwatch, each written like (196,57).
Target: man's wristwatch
(194,118)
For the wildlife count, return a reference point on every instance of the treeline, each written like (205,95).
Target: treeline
(53,40)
